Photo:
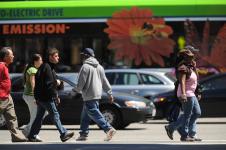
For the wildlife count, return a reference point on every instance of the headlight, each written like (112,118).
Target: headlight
(135,104)
(159,99)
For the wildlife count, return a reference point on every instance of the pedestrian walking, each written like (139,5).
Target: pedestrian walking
(187,76)
(28,95)
(6,101)
(91,82)
(46,96)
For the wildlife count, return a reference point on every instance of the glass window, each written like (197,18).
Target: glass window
(126,79)
(110,77)
(149,79)
(217,83)
(171,76)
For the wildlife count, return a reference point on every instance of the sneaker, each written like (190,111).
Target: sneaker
(37,137)
(169,132)
(66,136)
(187,139)
(196,139)
(34,140)
(81,138)
(110,134)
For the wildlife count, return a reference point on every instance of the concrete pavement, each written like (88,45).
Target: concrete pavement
(150,135)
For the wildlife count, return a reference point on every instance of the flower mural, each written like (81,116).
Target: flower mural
(212,50)
(138,36)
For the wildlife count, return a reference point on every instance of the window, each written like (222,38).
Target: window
(217,83)
(171,76)
(149,79)
(110,77)
(126,79)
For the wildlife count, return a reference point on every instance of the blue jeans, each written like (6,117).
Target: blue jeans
(90,112)
(51,108)
(186,123)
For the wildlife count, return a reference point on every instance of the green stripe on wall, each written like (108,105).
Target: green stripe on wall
(105,8)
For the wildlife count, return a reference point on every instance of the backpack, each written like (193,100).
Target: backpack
(174,108)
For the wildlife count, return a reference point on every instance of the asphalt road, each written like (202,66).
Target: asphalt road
(148,136)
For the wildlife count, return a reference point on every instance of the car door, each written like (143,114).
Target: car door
(71,104)
(21,109)
(213,100)
(153,85)
(125,82)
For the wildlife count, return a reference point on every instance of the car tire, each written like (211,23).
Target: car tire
(112,115)
(125,125)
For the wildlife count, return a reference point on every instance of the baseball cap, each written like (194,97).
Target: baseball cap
(191,48)
(88,51)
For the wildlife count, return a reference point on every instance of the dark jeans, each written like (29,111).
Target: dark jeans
(91,112)
(51,108)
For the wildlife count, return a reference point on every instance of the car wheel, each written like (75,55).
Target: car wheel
(125,125)
(2,120)
(112,116)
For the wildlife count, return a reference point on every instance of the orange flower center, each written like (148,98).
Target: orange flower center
(138,35)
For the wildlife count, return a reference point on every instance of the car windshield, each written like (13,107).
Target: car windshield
(171,76)
(73,77)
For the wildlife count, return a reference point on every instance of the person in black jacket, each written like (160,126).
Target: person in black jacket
(45,93)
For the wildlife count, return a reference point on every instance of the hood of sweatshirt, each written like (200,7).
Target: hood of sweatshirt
(91,61)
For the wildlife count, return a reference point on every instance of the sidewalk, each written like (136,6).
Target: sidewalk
(158,121)
(219,120)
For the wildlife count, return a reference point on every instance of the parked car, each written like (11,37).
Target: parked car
(125,110)
(212,103)
(140,82)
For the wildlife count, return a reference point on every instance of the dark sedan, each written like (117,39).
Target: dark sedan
(125,110)
(212,103)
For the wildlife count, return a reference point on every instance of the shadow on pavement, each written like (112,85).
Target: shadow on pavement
(75,146)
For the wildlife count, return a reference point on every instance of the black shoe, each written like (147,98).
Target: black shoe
(81,138)
(34,140)
(20,140)
(66,136)
(169,132)
(187,139)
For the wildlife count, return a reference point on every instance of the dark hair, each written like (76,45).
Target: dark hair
(52,51)
(35,57)
(4,52)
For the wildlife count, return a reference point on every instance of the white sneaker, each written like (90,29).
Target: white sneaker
(110,134)
(37,137)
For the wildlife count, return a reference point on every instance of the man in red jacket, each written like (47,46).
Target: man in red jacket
(6,102)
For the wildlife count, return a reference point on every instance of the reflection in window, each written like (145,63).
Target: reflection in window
(149,79)
(126,79)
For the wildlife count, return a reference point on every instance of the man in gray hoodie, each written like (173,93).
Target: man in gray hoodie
(91,81)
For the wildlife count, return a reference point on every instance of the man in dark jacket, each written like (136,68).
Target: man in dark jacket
(46,95)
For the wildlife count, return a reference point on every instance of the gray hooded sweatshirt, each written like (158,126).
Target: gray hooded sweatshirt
(91,80)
